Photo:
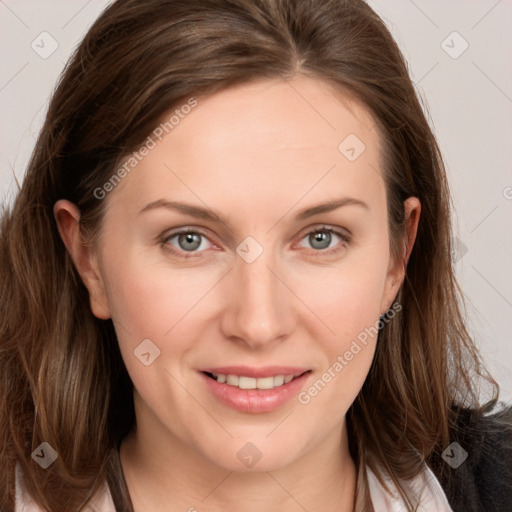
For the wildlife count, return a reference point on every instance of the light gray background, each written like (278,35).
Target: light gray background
(469,99)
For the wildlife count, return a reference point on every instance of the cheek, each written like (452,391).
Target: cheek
(353,314)
(141,306)
(146,303)
(347,297)
(150,300)
(349,304)
(350,307)
(146,296)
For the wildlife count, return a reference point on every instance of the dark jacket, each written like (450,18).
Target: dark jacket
(483,482)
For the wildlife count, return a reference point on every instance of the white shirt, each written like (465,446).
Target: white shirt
(426,487)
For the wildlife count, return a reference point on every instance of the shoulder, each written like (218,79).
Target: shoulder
(475,470)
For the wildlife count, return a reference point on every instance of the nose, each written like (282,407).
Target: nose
(258,309)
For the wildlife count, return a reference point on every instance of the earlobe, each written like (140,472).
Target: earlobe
(397,269)
(67,217)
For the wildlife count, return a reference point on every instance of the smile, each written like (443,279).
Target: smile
(244,382)
(253,390)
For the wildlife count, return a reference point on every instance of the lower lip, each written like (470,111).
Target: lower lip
(255,400)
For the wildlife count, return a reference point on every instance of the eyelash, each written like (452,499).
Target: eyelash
(321,252)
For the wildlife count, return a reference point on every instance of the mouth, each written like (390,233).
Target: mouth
(252,390)
(246,382)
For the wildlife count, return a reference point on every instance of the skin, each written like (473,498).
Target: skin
(256,153)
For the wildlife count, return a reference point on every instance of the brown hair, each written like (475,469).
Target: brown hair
(63,380)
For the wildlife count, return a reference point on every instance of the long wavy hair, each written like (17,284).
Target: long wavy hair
(62,377)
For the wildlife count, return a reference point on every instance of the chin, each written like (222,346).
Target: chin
(245,456)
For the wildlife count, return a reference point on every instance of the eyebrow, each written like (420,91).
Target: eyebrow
(208,214)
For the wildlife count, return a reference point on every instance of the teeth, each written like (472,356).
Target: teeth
(266,383)
(231,380)
(247,383)
(243,382)
(278,380)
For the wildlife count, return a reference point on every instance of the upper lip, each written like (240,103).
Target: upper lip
(262,372)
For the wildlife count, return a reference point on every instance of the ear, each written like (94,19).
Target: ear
(84,257)
(396,270)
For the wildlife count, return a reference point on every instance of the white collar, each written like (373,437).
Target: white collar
(424,487)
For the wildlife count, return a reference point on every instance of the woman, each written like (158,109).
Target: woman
(307,351)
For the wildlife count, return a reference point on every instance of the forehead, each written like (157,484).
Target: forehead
(302,113)
(264,141)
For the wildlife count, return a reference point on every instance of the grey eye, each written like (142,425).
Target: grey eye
(320,239)
(187,241)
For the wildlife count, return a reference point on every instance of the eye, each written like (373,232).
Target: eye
(187,241)
(321,238)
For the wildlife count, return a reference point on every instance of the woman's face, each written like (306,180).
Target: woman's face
(265,293)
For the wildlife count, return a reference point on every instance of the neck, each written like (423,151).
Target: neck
(163,473)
